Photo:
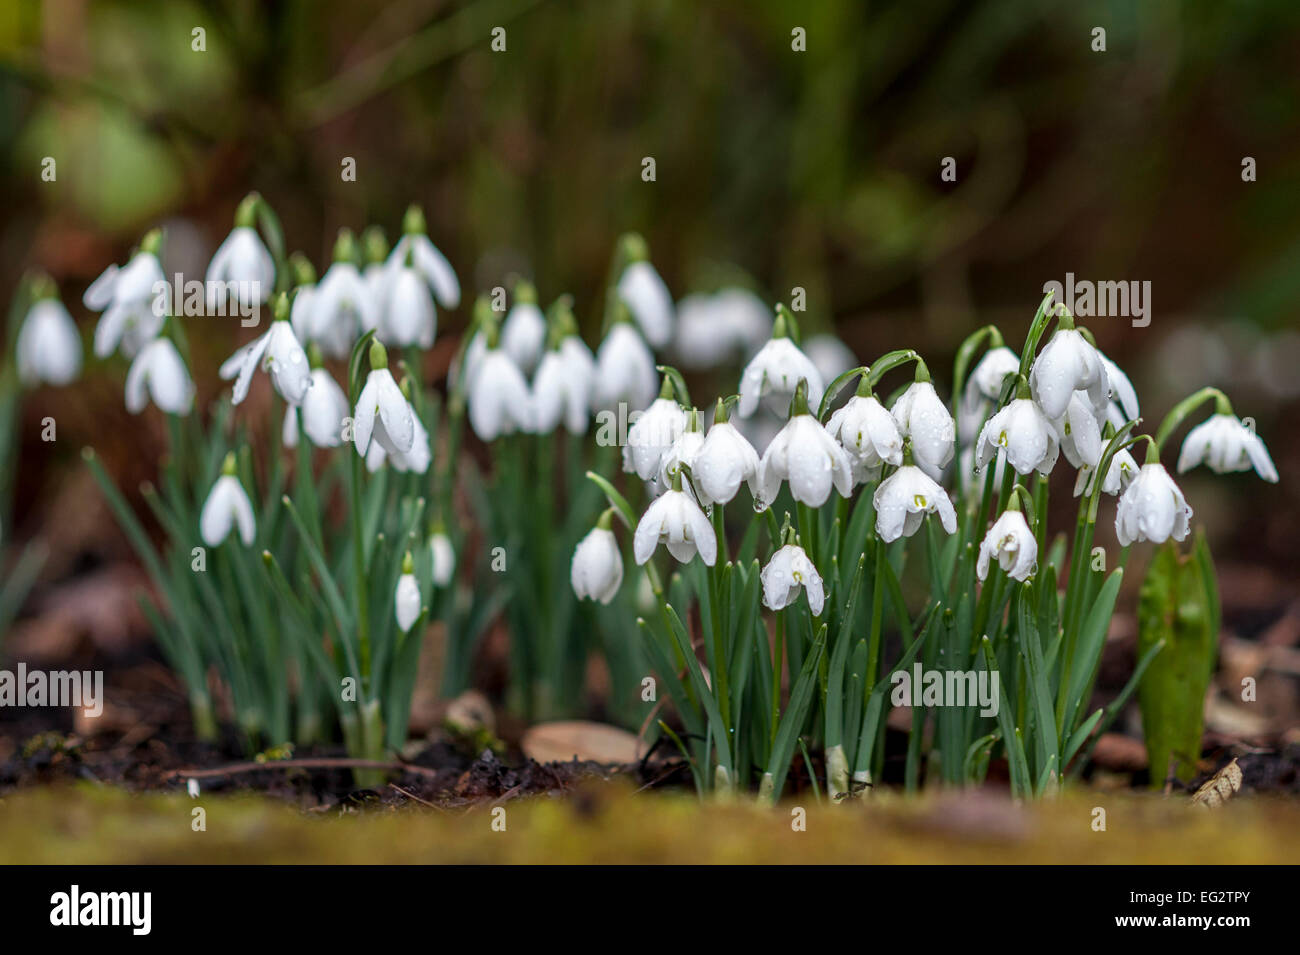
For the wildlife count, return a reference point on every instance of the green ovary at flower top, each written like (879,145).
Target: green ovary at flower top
(323,560)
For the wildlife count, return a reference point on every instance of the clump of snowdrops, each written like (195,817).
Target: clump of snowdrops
(780,622)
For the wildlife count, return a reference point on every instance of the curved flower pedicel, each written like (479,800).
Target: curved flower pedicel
(1152,508)
(227,507)
(1024,433)
(129,299)
(275,351)
(904,498)
(723,461)
(789,570)
(1224,445)
(775,372)
(1011,543)
(48,347)
(159,372)
(674,519)
(597,569)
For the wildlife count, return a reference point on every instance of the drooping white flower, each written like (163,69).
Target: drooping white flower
(1123,469)
(674,519)
(1024,433)
(323,409)
(499,399)
(597,569)
(227,506)
(1067,364)
(775,372)
(416,460)
(652,434)
(923,417)
(724,460)
(406,599)
(278,353)
(158,372)
(523,336)
(382,411)
(625,370)
(983,390)
(649,301)
(1224,444)
(904,498)
(716,329)
(426,258)
(407,314)
(788,571)
(342,306)
(804,454)
(1123,405)
(442,557)
(48,347)
(130,298)
(562,386)
(242,267)
(1152,508)
(1011,543)
(868,433)
(1079,432)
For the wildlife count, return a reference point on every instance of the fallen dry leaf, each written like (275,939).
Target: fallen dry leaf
(1220,787)
(564,740)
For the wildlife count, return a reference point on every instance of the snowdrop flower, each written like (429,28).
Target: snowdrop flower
(723,461)
(523,336)
(644,292)
(416,460)
(625,369)
(1024,433)
(868,433)
(158,372)
(923,417)
(830,356)
(904,498)
(277,352)
(1152,508)
(406,601)
(406,311)
(227,506)
(48,347)
(342,305)
(323,409)
(382,412)
(775,372)
(1079,433)
(652,434)
(1012,544)
(683,451)
(676,520)
(597,569)
(426,258)
(788,571)
(719,328)
(442,557)
(128,297)
(562,386)
(499,400)
(1068,363)
(304,291)
(1123,406)
(242,267)
(983,389)
(376,273)
(1224,444)
(1123,469)
(804,454)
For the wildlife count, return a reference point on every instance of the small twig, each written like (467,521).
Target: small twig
(323,762)
(411,795)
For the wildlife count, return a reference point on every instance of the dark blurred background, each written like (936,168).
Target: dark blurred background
(818,169)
